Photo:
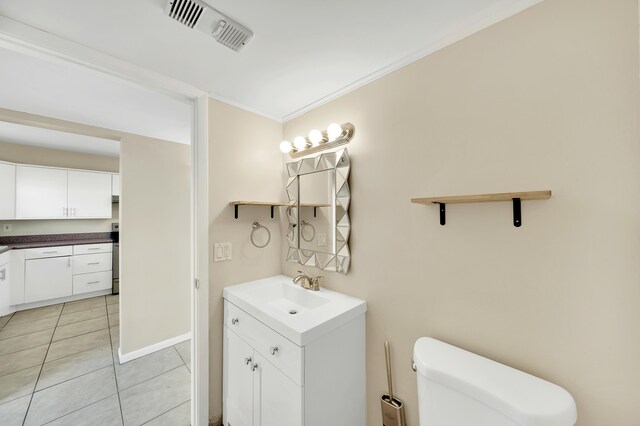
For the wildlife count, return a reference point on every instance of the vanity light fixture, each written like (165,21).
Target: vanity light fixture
(335,135)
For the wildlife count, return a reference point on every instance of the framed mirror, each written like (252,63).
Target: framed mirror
(318,231)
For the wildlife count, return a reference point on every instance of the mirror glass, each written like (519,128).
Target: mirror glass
(319,227)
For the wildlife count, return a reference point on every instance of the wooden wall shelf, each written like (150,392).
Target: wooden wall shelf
(272,204)
(515,197)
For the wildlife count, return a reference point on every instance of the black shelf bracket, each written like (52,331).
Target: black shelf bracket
(443,214)
(517,213)
(236,207)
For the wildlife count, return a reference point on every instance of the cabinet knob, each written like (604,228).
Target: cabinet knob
(274,350)
(234,321)
(247,360)
(254,367)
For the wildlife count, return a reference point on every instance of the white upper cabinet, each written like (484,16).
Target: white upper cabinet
(89,195)
(115,191)
(41,193)
(7,191)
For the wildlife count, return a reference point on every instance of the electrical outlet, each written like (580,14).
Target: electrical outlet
(218,252)
(6,227)
(227,248)
(322,240)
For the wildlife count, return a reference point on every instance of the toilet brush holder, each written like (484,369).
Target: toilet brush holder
(392,408)
(392,411)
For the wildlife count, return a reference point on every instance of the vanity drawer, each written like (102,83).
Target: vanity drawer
(93,248)
(281,352)
(87,283)
(44,252)
(88,263)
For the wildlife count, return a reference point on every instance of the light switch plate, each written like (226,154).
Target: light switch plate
(218,252)
(6,227)
(227,250)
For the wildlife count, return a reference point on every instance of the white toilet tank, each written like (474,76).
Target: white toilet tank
(459,388)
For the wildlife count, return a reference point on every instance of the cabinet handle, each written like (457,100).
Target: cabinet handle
(93,263)
(49,252)
(73,211)
(254,367)
(234,321)
(68,262)
(65,211)
(247,361)
(274,350)
(93,248)
(3,275)
(93,282)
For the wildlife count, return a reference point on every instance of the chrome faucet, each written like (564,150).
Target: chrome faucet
(307,282)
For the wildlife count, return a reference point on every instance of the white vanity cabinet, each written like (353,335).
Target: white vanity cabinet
(7,191)
(271,381)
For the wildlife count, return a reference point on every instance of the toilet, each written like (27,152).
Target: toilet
(459,388)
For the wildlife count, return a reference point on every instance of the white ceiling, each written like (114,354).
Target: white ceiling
(303,51)
(45,138)
(78,94)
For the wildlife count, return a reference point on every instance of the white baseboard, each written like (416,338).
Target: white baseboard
(152,348)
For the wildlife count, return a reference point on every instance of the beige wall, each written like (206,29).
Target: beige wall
(24,154)
(548,99)
(155,242)
(244,164)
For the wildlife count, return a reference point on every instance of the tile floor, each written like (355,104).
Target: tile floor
(59,366)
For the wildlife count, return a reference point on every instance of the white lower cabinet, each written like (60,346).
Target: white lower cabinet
(270,381)
(48,278)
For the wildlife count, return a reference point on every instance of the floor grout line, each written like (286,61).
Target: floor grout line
(26,413)
(114,366)
(162,414)
(74,411)
(151,378)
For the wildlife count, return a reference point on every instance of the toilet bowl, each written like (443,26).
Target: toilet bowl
(459,388)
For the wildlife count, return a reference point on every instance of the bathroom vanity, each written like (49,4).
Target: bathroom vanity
(292,356)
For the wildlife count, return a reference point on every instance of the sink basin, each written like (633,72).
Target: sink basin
(300,315)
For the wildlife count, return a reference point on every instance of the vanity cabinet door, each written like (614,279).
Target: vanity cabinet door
(238,380)
(277,399)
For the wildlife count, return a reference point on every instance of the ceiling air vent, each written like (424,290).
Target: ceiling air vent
(185,11)
(202,17)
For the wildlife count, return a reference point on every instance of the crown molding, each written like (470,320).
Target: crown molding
(468,28)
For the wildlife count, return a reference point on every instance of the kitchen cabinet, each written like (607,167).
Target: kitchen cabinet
(89,194)
(41,193)
(5,284)
(270,381)
(48,278)
(115,185)
(7,191)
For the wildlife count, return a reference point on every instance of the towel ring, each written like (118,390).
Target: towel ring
(303,225)
(255,227)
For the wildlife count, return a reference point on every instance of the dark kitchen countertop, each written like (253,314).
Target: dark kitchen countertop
(52,240)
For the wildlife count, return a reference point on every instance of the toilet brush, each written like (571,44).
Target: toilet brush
(392,408)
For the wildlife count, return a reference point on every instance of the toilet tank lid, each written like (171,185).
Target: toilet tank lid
(526,399)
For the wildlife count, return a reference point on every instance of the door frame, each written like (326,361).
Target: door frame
(34,42)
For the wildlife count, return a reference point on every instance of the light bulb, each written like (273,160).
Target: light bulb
(315,136)
(334,131)
(300,143)
(285,147)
